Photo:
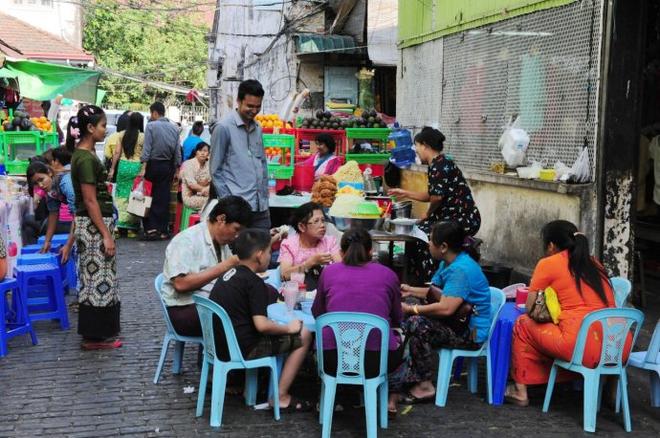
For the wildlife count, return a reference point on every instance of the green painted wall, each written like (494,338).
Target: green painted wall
(425,20)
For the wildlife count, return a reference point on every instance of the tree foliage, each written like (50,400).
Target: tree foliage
(154,45)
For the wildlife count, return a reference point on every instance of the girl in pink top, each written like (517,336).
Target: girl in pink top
(308,249)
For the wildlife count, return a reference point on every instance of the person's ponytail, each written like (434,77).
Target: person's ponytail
(565,236)
(355,245)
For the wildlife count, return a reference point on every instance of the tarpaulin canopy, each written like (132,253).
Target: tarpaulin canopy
(43,81)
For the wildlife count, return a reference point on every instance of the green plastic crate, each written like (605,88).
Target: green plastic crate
(381,134)
(17,167)
(285,142)
(21,145)
(369,158)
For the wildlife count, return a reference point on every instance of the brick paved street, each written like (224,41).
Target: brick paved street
(55,389)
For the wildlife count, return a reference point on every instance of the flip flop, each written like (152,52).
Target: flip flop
(410,399)
(86,345)
(513,400)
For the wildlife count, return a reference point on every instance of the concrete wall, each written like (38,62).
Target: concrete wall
(514,211)
(62,19)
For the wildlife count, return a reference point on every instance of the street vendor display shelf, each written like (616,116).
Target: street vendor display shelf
(280,152)
(379,138)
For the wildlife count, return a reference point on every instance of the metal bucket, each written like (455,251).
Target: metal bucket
(402,210)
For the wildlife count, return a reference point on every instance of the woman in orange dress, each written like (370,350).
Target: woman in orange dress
(582,286)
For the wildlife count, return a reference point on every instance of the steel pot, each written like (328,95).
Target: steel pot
(403,225)
(402,210)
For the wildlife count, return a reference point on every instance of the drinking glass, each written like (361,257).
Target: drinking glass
(298,277)
(290,293)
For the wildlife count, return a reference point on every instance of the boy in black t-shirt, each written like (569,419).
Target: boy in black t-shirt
(244,296)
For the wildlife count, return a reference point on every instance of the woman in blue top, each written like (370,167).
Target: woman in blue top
(433,323)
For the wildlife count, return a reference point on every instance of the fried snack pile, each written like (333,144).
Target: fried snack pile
(324,191)
(349,172)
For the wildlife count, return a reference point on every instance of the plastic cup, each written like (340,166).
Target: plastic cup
(521,295)
(298,277)
(290,293)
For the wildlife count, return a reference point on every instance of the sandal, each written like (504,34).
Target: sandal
(509,398)
(91,345)
(410,399)
(297,405)
(150,235)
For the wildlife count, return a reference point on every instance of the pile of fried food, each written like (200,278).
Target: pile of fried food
(324,191)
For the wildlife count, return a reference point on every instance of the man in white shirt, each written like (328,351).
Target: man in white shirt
(196,257)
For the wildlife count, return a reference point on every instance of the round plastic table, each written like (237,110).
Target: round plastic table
(277,312)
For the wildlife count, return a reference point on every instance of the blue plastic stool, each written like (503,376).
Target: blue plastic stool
(500,349)
(38,295)
(58,239)
(26,276)
(15,321)
(32,249)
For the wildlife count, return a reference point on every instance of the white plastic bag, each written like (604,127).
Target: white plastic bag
(513,143)
(581,170)
(560,170)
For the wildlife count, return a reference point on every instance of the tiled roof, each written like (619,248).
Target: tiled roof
(19,39)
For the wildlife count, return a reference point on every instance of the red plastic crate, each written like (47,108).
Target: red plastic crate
(291,131)
(376,169)
(310,134)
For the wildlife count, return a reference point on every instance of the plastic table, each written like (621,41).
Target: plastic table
(277,312)
(289,201)
(500,349)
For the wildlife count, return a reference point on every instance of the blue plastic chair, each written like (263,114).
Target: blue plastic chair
(274,278)
(448,355)
(351,330)
(207,309)
(616,324)
(171,335)
(14,321)
(622,288)
(650,361)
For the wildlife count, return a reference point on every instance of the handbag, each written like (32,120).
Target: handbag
(545,307)
(459,322)
(138,202)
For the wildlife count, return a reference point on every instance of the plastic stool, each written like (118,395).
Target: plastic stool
(38,294)
(36,259)
(34,249)
(177,218)
(186,217)
(13,322)
(58,239)
(27,274)
(194,219)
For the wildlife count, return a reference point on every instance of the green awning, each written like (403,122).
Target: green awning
(43,81)
(100,95)
(308,44)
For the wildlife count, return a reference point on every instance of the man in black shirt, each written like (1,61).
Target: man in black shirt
(244,296)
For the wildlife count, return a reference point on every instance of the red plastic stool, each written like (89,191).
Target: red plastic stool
(194,219)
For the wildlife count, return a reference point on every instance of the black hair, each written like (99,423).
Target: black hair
(250,241)
(157,107)
(45,105)
(431,137)
(130,139)
(327,140)
(123,121)
(251,87)
(62,154)
(235,209)
(303,214)
(201,145)
(36,166)
(566,237)
(454,236)
(72,133)
(47,157)
(356,244)
(89,115)
(198,128)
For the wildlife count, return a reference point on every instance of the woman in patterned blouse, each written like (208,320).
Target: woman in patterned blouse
(449,196)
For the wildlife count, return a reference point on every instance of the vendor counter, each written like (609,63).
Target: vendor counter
(514,210)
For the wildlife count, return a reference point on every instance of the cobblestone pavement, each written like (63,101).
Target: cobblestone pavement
(55,389)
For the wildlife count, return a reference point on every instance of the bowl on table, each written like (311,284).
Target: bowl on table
(345,223)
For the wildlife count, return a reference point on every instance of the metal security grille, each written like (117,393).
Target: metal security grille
(542,66)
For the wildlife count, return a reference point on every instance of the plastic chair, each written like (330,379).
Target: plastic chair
(186,213)
(15,321)
(616,324)
(622,288)
(171,335)
(351,330)
(194,219)
(274,278)
(207,309)
(650,360)
(28,275)
(448,355)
